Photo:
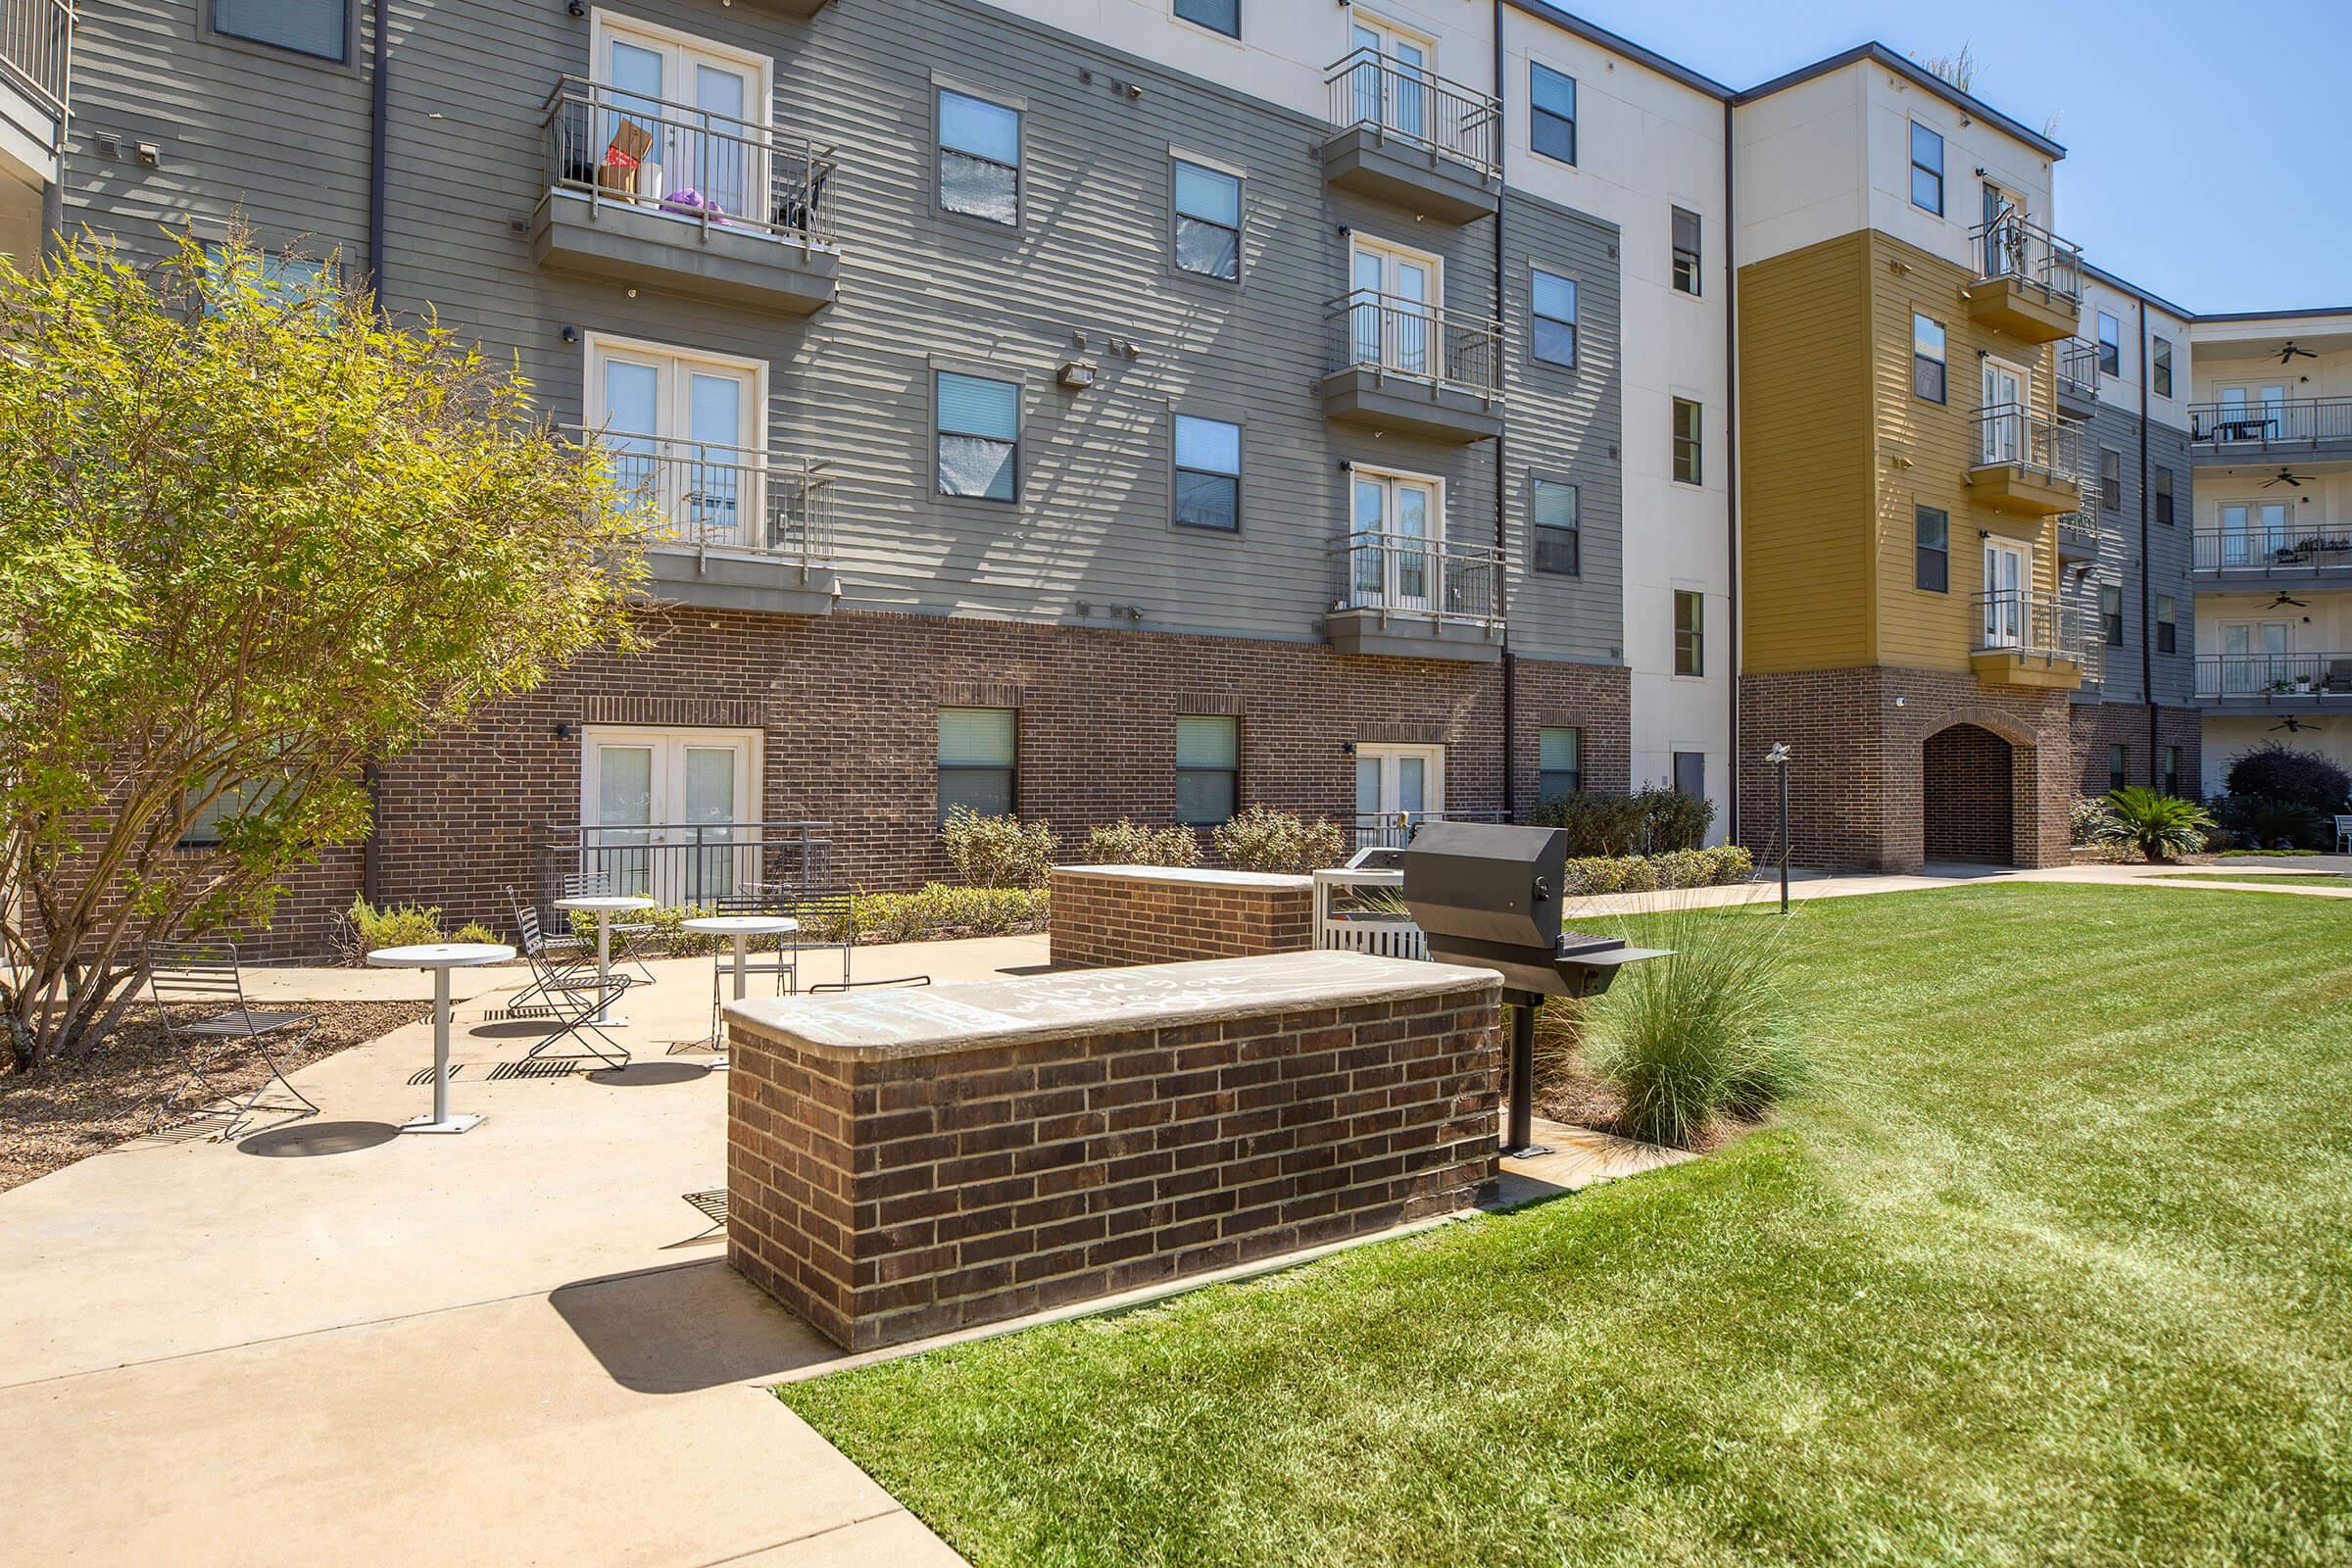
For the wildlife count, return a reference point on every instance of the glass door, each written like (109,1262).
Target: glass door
(2004,413)
(2005,582)
(1393,322)
(686,441)
(671,816)
(1397,789)
(1390,88)
(2238,534)
(1399,526)
(697,110)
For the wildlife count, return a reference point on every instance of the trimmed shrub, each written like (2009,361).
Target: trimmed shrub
(2084,819)
(2161,826)
(1699,1035)
(1653,820)
(2271,772)
(936,912)
(999,852)
(475,931)
(397,925)
(1719,867)
(2258,823)
(1125,843)
(1263,839)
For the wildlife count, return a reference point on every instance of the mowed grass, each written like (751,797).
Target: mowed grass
(2314,878)
(2052,1262)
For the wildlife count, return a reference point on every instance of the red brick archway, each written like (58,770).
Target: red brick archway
(1967,796)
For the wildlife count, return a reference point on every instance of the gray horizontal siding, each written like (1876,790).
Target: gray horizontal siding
(2164,568)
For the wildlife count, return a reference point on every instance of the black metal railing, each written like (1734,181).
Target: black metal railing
(687,162)
(2078,368)
(1394,830)
(1408,575)
(36,51)
(2268,548)
(2274,677)
(2011,247)
(706,865)
(707,494)
(2008,432)
(1417,341)
(1416,106)
(2272,425)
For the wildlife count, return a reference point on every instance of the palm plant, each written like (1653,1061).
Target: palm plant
(2161,826)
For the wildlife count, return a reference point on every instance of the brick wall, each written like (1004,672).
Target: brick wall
(1856,778)
(1104,916)
(890,1196)
(2099,725)
(1966,793)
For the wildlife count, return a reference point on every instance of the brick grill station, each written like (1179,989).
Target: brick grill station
(1105,915)
(906,1163)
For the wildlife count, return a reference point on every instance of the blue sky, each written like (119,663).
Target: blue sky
(2206,144)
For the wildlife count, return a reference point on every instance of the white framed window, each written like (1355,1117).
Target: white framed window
(1560,761)
(1687,231)
(670,814)
(1552,112)
(1217,16)
(1690,632)
(1688,442)
(2008,579)
(1926,170)
(1207,236)
(1399,783)
(1552,317)
(979,158)
(1208,769)
(979,750)
(978,435)
(1209,473)
(2160,368)
(688,434)
(1396,542)
(679,120)
(1394,294)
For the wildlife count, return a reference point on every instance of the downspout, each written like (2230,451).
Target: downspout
(1731,471)
(372,773)
(1502,556)
(2147,566)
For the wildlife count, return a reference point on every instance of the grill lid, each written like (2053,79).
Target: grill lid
(1486,882)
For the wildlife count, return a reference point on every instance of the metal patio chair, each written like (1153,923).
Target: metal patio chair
(568,997)
(205,974)
(629,937)
(2343,834)
(563,954)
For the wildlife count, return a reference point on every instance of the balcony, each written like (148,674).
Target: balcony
(2027,466)
(1409,137)
(2269,683)
(36,54)
(2031,282)
(2239,431)
(2035,640)
(1401,596)
(1409,368)
(2080,534)
(2305,553)
(728,528)
(640,190)
(2077,379)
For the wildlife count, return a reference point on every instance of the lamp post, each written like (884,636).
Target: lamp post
(1777,757)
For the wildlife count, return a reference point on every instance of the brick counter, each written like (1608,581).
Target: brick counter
(1107,915)
(907,1162)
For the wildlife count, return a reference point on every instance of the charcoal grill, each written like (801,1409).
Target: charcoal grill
(1489,895)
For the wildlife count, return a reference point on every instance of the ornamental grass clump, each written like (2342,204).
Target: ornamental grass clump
(1698,1038)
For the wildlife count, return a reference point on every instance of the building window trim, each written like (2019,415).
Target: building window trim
(1689,634)
(1930,356)
(2159,369)
(1227,772)
(2110,344)
(1693,445)
(1560,770)
(1543,118)
(1933,172)
(944,88)
(348,60)
(2111,613)
(1540,486)
(1178,217)
(962,771)
(1537,317)
(1178,469)
(941,432)
(1688,261)
(1176,12)
(1936,555)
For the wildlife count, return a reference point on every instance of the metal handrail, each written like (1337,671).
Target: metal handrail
(2271,677)
(36,51)
(707,494)
(704,865)
(2271,424)
(2264,549)
(2078,366)
(2010,433)
(1417,342)
(2008,246)
(2081,526)
(2038,626)
(1416,106)
(711,169)
(1394,830)
(1410,576)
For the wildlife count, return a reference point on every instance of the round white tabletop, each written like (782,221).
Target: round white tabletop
(440,957)
(607,903)
(747,925)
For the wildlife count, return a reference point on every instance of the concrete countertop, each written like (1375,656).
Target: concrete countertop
(1195,875)
(937,1020)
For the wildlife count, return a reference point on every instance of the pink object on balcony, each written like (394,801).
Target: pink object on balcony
(691,203)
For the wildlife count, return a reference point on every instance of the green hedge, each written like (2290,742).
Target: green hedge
(931,913)
(1720,866)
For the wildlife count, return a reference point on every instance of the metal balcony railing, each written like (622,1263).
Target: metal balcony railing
(2007,432)
(2079,530)
(2010,247)
(36,51)
(1394,830)
(1417,342)
(706,495)
(724,866)
(2038,626)
(1408,576)
(2274,677)
(687,162)
(2272,425)
(2078,368)
(2256,549)
(1416,106)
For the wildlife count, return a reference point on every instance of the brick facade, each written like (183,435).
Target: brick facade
(886,1194)
(847,708)
(1857,778)
(2100,725)
(1104,916)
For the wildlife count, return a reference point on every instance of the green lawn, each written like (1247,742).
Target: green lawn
(2052,1263)
(2320,879)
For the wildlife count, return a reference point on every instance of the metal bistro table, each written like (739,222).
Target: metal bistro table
(604,907)
(740,928)
(440,957)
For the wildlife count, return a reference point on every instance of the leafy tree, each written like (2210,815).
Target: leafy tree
(2161,826)
(253,538)
(2275,772)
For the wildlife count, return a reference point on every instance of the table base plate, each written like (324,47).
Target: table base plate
(426,1124)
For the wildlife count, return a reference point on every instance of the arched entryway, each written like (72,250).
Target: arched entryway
(1966,796)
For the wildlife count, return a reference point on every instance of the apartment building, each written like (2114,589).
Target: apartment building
(36,39)
(1147,407)
(2270,443)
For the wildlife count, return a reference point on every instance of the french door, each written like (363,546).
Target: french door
(1392,88)
(2257,656)
(1393,320)
(2006,580)
(2254,413)
(2004,424)
(705,109)
(687,438)
(2253,532)
(1397,788)
(1399,525)
(670,816)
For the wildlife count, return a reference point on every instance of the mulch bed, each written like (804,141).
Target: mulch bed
(65,1110)
(1567,1091)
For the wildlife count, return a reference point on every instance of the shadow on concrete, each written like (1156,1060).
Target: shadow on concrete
(311,1140)
(686,1326)
(646,1074)
(512,1029)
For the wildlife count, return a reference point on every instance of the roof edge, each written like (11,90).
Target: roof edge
(2137,292)
(1919,76)
(1593,32)
(2274,316)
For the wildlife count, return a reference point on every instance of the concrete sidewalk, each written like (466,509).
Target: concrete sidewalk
(519,1344)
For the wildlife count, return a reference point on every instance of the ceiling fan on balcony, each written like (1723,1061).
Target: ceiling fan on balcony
(2296,726)
(2284,476)
(2289,351)
(2284,599)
